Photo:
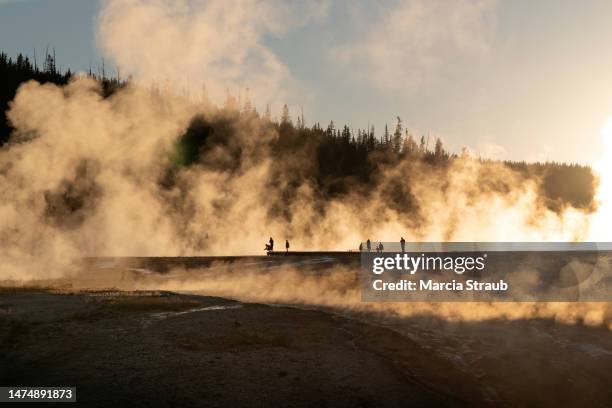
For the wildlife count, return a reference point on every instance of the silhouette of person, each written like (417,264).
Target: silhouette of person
(380,247)
(287,246)
(369,245)
(403,244)
(271,244)
(360,246)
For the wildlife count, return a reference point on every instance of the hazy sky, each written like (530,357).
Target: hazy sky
(516,79)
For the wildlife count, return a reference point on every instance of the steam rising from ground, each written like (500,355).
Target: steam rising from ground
(338,288)
(84,175)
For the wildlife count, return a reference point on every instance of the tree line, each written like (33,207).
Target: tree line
(335,158)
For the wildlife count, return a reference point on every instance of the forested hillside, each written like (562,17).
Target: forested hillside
(334,158)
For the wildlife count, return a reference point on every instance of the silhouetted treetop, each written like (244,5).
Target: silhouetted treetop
(334,159)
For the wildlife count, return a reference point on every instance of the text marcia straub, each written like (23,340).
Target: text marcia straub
(430,285)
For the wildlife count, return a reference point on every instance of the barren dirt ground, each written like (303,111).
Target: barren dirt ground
(165,349)
(153,348)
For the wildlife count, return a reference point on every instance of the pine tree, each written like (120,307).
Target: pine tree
(371,139)
(330,129)
(268,114)
(346,134)
(359,137)
(49,65)
(248,108)
(410,145)
(285,118)
(386,139)
(302,122)
(397,136)
(439,149)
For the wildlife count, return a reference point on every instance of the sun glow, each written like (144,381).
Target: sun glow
(601,226)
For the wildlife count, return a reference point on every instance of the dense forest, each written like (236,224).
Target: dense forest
(335,158)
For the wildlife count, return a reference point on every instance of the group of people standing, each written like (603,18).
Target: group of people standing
(270,246)
(380,247)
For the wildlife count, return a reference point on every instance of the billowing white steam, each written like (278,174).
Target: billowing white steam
(82,176)
(187,44)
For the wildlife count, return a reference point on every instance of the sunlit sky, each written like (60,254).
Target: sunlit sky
(510,79)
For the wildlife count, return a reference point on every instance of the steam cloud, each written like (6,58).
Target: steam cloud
(338,289)
(83,175)
(219,44)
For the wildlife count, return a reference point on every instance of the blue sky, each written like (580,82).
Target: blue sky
(67,25)
(514,79)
